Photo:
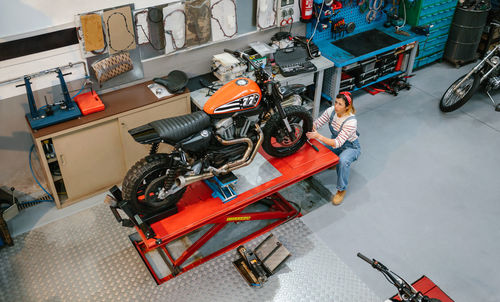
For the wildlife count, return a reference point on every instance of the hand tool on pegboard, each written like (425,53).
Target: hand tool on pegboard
(374,8)
(338,27)
(363,6)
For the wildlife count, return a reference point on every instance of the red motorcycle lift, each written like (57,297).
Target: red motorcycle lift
(198,209)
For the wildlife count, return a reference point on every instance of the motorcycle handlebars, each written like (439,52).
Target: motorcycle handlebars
(404,288)
(244,56)
(374,263)
(365,258)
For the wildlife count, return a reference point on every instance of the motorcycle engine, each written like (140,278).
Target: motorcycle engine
(225,128)
(493,83)
(231,128)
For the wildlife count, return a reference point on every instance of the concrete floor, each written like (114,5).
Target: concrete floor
(423,197)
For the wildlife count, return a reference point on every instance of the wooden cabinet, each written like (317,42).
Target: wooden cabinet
(90,159)
(135,151)
(89,155)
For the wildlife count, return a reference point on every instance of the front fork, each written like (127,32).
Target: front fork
(479,66)
(284,118)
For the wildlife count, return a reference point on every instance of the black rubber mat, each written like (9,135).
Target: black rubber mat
(366,42)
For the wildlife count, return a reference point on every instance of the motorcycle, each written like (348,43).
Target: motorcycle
(406,292)
(485,74)
(235,122)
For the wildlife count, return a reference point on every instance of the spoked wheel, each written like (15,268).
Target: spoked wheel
(147,183)
(456,96)
(277,142)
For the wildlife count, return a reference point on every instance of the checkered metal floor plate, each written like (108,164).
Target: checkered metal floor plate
(88,257)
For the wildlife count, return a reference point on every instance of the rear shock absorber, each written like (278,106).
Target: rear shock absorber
(154,148)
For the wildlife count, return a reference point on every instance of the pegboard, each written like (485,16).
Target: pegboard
(351,13)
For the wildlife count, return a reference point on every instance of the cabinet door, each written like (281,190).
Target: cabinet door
(91,159)
(134,151)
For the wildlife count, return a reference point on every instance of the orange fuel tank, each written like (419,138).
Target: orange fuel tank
(237,95)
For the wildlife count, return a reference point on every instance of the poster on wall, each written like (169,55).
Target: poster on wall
(141,26)
(149,27)
(119,29)
(174,20)
(223,19)
(149,32)
(90,33)
(198,28)
(266,14)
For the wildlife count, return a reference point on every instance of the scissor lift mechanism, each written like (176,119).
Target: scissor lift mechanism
(197,209)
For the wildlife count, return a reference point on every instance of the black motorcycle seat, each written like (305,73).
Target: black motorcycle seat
(174,129)
(289,90)
(175,81)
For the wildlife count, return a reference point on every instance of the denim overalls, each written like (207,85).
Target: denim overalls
(347,153)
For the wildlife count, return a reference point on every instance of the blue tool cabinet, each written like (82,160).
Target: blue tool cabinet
(438,14)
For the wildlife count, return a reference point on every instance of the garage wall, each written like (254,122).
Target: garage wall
(15,138)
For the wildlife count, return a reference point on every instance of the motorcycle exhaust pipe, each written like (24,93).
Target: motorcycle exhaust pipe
(245,161)
(182,181)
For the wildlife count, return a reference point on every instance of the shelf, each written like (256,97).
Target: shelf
(388,76)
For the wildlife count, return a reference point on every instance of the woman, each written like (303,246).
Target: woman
(344,141)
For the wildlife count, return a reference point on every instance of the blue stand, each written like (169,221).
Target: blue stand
(222,187)
(52,114)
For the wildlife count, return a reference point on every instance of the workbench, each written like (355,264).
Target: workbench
(342,58)
(199,212)
(200,96)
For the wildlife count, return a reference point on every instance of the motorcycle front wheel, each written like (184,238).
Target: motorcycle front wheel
(456,96)
(143,188)
(277,142)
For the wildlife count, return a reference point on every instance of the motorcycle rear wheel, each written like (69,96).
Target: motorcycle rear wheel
(276,141)
(455,97)
(141,175)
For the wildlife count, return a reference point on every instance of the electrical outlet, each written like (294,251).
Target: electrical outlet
(286,12)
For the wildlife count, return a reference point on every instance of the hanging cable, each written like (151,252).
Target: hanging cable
(404,15)
(315,27)
(81,89)
(38,183)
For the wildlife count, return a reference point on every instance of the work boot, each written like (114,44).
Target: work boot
(337,198)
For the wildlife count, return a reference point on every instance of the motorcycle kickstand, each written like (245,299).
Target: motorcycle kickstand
(497,106)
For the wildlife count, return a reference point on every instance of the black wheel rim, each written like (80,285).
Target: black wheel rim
(151,198)
(455,93)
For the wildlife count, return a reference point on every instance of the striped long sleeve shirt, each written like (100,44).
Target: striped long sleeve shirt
(348,130)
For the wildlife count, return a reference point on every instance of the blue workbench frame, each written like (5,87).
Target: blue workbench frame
(340,58)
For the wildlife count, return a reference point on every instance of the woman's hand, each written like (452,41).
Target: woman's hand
(313,134)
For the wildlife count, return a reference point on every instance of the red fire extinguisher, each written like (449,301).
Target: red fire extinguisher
(306,10)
